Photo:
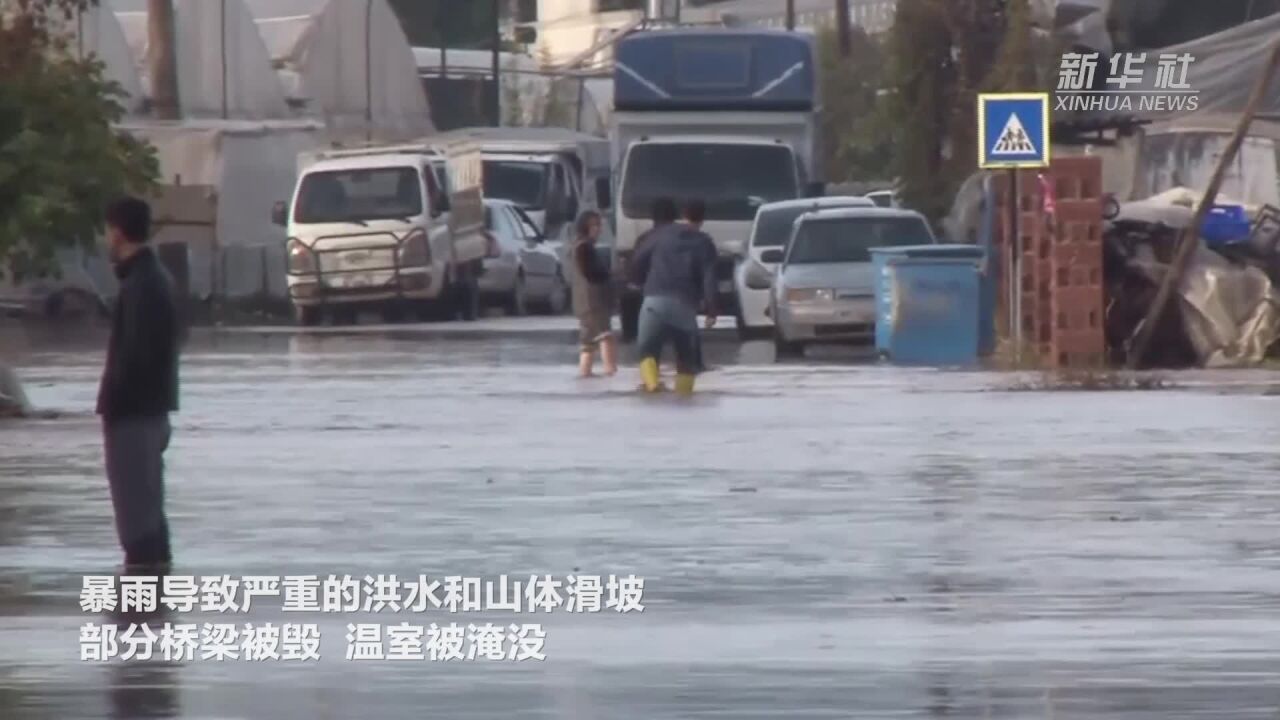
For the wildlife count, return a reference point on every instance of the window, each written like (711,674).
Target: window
(774,227)
(733,180)
(611,5)
(359,195)
(523,183)
(528,229)
(849,240)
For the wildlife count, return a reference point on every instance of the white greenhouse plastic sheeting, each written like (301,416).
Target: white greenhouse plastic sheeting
(1225,68)
(96,31)
(212,35)
(250,166)
(311,52)
(354,67)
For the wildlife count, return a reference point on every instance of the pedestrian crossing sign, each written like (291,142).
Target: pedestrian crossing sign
(1013,130)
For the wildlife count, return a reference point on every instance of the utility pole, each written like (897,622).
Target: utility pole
(495,98)
(842,27)
(164,60)
(791,15)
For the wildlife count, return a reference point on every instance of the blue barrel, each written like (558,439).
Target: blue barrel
(928,308)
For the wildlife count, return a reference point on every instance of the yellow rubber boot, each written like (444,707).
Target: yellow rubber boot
(684,384)
(649,374)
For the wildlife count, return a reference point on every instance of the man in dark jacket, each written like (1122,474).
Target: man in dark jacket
(695,213)
(677,269)
(139,386)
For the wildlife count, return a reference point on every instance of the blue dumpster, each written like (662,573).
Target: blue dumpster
(977,254)
(929,304)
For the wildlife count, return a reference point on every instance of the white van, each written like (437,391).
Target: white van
(375,229)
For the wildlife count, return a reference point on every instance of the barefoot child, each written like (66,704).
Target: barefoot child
(592,297)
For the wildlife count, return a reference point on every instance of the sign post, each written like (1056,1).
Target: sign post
(1013,133)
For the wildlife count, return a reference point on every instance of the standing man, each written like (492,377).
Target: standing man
(677,270)
(139,387)
(695,213)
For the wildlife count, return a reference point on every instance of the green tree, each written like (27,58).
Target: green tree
(856,143)
(61,160)
(942,54)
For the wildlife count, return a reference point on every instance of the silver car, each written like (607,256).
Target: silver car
(522,271)
(823,289)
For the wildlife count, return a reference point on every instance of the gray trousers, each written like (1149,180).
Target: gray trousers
(134,449)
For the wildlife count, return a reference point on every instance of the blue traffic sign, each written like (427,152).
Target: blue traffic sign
(1013,130)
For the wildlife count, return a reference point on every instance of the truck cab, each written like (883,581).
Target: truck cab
(552,174)
(725,115)
(377,229)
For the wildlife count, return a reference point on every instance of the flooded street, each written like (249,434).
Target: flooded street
(817,540)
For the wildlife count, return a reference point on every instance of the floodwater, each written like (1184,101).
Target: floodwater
(817,540)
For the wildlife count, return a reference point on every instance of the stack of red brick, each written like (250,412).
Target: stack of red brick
(1061,269)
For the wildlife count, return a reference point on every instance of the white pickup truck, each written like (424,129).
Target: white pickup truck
(377,229)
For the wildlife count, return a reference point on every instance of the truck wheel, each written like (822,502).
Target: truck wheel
(306,316)
(630,312)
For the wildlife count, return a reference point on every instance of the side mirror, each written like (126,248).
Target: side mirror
(280,213)
(773,256)
(758,278)
(604,198)
(442,204)
(571,207)
(815,190)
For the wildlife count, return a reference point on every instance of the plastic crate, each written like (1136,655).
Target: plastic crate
(1225,224)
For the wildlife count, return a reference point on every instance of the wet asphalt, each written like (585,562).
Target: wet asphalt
(821,539)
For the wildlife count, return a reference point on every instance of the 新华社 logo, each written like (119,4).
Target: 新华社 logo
(1134,83)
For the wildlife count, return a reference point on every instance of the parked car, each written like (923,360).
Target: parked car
(771,229)
(823,290)
(522,270)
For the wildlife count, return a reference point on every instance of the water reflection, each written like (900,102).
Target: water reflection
(144,691)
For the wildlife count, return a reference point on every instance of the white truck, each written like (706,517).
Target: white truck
(551,173)
(725,115)
(377,228)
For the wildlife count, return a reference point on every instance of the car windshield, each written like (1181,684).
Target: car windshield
(519,182)
(359,195)
(848,240)
(733,180)
(773,227)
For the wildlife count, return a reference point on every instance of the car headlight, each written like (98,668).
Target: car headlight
(808,295)
(302,259)
(415,251)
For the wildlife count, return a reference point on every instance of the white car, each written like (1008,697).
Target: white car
(824,289)
(522,270)
(884,198)
(770,230)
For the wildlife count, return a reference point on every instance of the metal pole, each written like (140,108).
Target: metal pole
(368,71)
(791,14)
(496,93)
(441,26)
(1015,268)
(223,55)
